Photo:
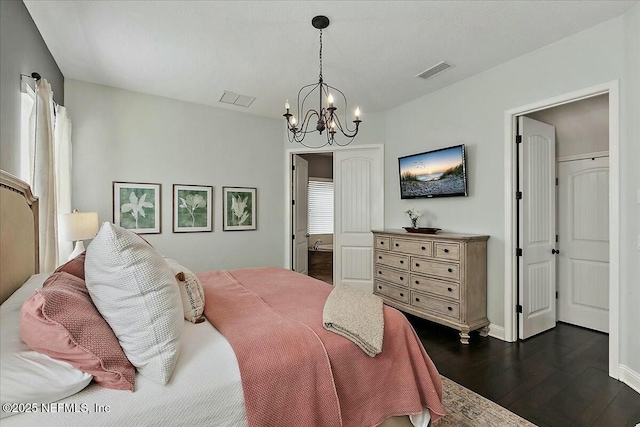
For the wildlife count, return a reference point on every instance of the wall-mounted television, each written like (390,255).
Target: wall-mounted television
(437,173)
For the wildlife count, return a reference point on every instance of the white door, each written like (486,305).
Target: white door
(537,231)
(583,229)
(299,212)
(358,177)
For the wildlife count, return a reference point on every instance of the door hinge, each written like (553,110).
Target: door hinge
(518,195)
(556,294)
(556,181)
(556,238)
(293,167)
(518,308)
(293,237)
(518,251)
(518,139)
(293,202)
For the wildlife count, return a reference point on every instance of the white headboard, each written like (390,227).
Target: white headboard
(19,254)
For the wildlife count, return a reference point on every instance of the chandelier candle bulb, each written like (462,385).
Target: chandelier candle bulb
(286,105)
(357,113)
(330,100)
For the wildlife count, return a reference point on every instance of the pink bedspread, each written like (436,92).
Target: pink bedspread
(294,372)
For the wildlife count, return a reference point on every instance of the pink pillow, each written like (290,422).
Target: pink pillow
(74,266)
(61,321)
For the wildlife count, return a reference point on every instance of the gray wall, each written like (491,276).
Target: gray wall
(320,165)
(126,136)
(22,51)
(473,112)
(581,126)
(630,200)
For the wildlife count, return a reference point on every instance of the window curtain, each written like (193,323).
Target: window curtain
(62,143)
(50,161)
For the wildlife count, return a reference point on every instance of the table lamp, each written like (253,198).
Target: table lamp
(78,226)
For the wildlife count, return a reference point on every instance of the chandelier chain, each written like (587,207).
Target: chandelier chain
(320,55)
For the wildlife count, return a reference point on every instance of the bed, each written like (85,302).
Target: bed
(206,387)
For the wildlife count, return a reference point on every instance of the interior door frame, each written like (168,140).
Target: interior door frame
(510,261)
(288,176)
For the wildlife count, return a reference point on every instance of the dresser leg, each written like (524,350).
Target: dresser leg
(464,337)
(484,332)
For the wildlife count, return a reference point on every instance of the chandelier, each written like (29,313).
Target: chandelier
(325,117)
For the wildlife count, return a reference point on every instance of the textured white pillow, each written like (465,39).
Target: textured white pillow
(134,290)
(27,376)
(190,291)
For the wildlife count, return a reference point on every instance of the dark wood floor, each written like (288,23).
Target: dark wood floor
(558,378)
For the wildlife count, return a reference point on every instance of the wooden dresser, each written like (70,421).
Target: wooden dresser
(438,277)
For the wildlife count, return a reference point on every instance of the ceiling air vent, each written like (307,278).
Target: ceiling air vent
(237,99)
(435,70)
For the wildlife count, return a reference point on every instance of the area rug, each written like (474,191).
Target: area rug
(468,409)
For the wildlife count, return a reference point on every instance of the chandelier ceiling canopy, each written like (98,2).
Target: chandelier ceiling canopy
(325,118)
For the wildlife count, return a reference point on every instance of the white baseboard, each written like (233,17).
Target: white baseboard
(496,331)
(630,377)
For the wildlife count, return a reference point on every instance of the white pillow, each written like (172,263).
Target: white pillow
(134,290)
(191,291)
(26,375)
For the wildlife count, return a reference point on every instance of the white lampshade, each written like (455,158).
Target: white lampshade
(78,225)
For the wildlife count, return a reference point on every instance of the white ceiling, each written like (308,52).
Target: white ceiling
(194,50)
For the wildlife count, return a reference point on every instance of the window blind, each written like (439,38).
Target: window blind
(320,207)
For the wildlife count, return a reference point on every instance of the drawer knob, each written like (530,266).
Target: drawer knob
(418,299)
(450,270)
(401,262)
(450,290)
(424,249)
(446,251)
(397,244)
(379,287)
(379,272)
(382,243)
(401,278)
(417,282)
(417,264)
(449,308)
(379,256)
(401,294)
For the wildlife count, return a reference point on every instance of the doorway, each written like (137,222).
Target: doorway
(511,212)
(563,217)
(358,178)
(314,172)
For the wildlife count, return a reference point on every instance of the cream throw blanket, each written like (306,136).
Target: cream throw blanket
(356,316)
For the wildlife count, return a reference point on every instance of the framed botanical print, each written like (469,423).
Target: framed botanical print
(239,208)
(136,206)
(192,208)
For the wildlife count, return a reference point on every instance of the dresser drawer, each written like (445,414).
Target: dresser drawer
(398,294)
(392,260)
(446,250)
(411,247)
(396,277)
(447,270)
(446,308)
(382,243)
(434,286)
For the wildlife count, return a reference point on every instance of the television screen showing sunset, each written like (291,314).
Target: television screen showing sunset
(433,174)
